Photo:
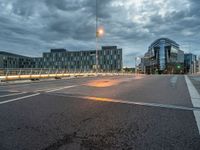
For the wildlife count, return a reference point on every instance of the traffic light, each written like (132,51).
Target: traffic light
(178,67)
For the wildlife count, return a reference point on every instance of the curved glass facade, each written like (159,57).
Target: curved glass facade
(163,56)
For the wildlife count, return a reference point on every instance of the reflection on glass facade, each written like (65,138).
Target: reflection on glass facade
(162,55)
(190,63)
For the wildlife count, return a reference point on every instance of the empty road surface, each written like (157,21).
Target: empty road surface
(158,112)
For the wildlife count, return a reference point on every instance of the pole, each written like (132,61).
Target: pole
(96,36)
(150,66)
(135,66)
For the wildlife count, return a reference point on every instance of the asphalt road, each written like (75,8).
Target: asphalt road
(103,113)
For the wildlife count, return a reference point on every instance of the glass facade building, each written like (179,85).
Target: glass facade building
(163,56)
(109,59)
(10,60)
(190,63)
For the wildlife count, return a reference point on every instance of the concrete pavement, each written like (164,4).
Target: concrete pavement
(118,112)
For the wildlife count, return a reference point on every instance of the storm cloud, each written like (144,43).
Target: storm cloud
(30,27)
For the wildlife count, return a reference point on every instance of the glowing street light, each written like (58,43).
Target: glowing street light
(100,32)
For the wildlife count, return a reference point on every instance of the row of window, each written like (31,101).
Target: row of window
(107,59)
(86,67)
(82,54)
(62,59)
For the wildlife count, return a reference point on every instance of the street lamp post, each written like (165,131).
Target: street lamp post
(136,66)
(99,33)
(96,36)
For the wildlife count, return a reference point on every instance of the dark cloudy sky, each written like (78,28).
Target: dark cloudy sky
(30,27)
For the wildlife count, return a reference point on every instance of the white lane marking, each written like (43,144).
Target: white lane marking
(44,89)
(101,99)
(195,100)
(193,93)
(13,94)
(58,89)
(144,104)
(9,91)
(173,81)
(19,98)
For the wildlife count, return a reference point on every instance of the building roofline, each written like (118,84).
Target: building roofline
(167,39)
(12,54)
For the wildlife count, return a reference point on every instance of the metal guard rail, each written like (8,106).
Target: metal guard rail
(28,74)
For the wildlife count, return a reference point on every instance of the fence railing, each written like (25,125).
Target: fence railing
(21,74)
(28,71)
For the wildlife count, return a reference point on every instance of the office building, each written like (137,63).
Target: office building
(10,60)
(163,57)
(190,63)
(109,59)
